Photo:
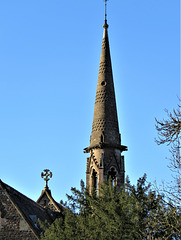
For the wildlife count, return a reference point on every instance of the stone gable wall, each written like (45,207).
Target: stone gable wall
(12,224)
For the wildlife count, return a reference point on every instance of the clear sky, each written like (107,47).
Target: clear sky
(49,60)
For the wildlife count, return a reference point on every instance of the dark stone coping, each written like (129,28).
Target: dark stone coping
(106,145)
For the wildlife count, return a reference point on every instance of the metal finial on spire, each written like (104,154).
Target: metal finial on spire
(46,175)
(105,24)
(105,10)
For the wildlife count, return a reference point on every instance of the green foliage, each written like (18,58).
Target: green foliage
(133,212)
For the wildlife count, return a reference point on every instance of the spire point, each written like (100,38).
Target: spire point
(105,10)
(105,24)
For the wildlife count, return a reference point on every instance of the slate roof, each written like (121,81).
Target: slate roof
(28,208)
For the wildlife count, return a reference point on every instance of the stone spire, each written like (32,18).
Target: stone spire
(105,130)
(106,160)
(105,123)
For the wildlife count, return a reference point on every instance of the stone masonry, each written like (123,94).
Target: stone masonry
(105,148)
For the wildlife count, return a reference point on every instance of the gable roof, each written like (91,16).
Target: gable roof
(27,208)
(52,204)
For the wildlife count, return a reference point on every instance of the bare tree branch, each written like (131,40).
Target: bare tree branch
(169,132)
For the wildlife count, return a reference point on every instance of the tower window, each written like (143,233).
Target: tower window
(94,181)
(112,176)
(102,138)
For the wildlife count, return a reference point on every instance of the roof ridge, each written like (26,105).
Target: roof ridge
(29,199)
(17,208)
(50,198)
(53,200)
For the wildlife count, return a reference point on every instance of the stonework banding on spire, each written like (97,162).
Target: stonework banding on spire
(105,143)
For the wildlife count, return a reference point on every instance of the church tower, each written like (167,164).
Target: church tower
(106,160)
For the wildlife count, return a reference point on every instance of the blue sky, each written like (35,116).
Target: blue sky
(49,60)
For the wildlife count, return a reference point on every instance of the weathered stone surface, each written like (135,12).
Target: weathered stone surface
(19,215)
(105,143)
(12,225)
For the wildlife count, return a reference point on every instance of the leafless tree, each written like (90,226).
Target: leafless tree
(169,132)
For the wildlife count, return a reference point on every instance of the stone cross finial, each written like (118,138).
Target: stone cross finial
(46,175)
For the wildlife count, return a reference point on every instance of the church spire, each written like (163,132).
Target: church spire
(105,142)
(105,122)
(105,130)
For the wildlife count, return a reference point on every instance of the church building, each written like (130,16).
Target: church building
(19,215)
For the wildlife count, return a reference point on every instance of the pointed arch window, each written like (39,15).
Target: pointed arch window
(112,176)
(94,181)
